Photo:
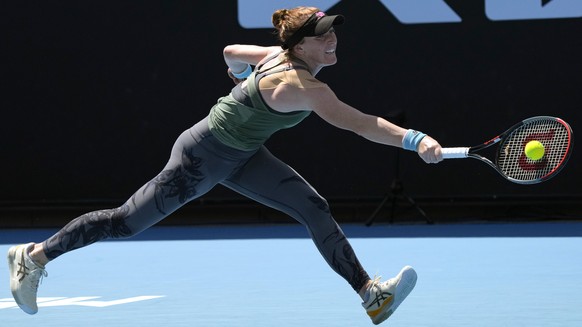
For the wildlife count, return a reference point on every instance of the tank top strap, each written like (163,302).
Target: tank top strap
(258,73)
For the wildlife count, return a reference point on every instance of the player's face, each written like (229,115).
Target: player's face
(320,50)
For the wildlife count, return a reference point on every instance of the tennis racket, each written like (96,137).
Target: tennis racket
(510,159)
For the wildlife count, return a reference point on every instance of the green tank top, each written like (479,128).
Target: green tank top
(248,128)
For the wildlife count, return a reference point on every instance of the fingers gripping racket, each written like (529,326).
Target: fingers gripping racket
(511,161)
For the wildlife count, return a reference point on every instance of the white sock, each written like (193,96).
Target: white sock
(27,252)
(367,295)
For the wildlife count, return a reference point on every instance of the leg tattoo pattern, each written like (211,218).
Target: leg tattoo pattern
(179,182)
(344,259)
(87,229)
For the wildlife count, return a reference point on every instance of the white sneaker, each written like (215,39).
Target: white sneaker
(384,298)
(25,276)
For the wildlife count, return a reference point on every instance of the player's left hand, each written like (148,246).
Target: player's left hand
(234,79)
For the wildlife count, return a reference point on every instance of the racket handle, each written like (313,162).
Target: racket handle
(455,153)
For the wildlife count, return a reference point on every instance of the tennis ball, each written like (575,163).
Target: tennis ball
(534,150)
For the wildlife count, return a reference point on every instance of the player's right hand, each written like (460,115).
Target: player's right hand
(430,150)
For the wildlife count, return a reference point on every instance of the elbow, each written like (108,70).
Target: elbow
(232,54)
(232,51)
(229,51)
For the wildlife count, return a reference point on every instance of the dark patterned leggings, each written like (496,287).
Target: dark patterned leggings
(198,162)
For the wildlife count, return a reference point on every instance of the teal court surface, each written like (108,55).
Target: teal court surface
(527,274)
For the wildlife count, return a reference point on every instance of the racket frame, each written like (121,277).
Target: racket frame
(470,152)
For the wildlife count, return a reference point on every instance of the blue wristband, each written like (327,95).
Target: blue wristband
(411,140)
(244,74)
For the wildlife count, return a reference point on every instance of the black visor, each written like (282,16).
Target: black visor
(315,25)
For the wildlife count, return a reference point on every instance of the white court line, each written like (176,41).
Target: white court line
(7,303)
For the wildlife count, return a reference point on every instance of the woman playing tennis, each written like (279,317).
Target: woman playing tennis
(227,148)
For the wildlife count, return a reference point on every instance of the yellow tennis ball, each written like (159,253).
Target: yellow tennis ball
(534,150)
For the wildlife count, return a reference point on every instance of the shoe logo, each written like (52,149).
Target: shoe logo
(22,268)
(381,299)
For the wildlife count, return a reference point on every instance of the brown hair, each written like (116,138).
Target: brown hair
(288,21)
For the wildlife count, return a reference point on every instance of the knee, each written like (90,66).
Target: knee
(117,223)
(319,205)
(316,214)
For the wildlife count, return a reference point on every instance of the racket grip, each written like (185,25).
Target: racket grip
(455,153)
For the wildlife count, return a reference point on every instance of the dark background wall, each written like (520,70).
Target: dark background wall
(94,93)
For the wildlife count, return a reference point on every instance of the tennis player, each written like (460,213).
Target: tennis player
(227,148)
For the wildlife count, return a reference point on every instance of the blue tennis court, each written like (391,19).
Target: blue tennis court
(527,274)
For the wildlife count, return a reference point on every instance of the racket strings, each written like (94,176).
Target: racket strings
(555,138)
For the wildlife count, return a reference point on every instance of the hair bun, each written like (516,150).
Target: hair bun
(279,17)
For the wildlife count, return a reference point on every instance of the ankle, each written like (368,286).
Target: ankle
(364,290)
(38,256)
